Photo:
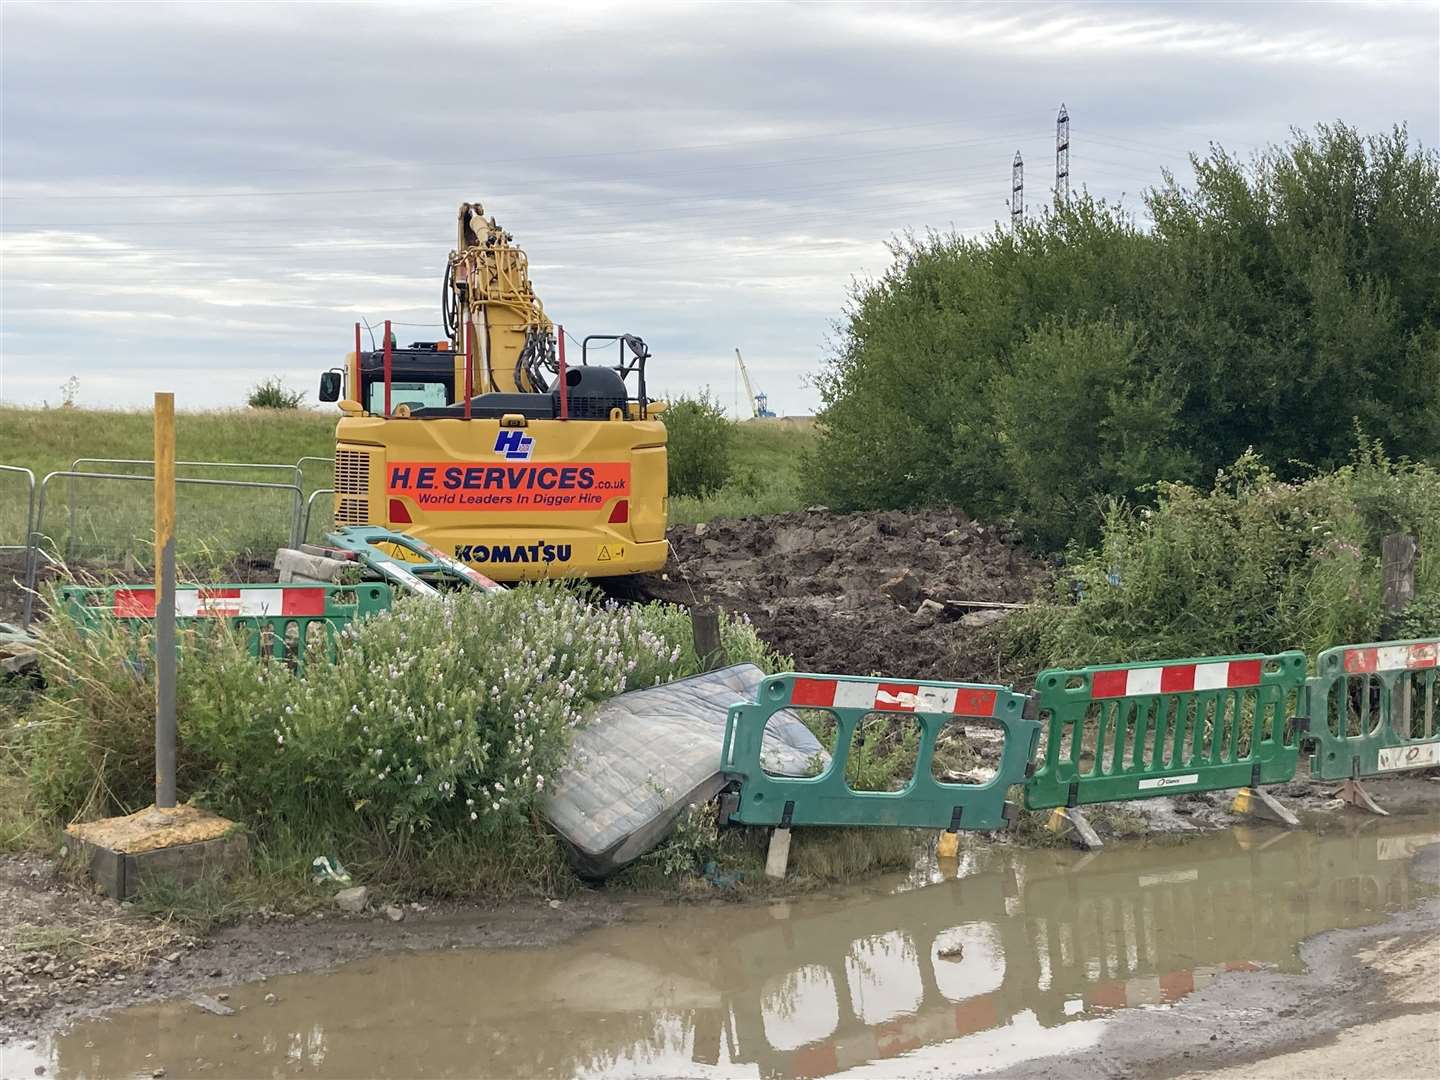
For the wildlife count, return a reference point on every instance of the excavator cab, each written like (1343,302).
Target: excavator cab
(490,447)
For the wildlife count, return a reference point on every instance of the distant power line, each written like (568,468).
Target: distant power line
(1062,154)
(1017,193)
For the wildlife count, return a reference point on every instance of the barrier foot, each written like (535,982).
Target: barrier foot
(948,846)
(1072,824)
(1353,793)
(1259,803)
(777,858)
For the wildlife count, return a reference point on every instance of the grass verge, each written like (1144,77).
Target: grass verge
(765,477)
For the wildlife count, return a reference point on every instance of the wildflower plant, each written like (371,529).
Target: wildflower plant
(446,715)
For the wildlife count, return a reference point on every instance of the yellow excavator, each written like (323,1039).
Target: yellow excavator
(489,446)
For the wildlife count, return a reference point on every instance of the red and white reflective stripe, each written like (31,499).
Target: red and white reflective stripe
(1176,678)
(893,697)
(1426,654)
(202,603)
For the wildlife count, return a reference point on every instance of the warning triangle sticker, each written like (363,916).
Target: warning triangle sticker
(604,555)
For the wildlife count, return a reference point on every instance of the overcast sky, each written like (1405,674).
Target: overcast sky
(198,196)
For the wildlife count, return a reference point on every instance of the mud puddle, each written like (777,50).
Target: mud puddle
(1010,956)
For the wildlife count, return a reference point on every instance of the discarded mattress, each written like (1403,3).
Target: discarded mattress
(645,756)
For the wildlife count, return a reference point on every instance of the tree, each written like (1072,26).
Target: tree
(1113,428)
(272,393)
(700,440)
(1276,305)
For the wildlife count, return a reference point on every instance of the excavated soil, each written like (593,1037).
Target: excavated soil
(882,593)
(877,593)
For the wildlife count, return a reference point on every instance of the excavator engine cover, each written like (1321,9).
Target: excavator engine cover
(593,391)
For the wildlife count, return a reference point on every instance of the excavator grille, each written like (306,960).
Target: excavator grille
(352,472)
(353,512)
(352,478)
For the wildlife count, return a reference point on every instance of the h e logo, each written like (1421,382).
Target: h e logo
(515,445)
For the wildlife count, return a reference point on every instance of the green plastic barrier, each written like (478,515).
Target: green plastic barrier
(1136,731)
(1374,709)
(284,622)
(827,799)
(430,565)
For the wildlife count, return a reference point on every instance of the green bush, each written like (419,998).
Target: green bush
(272,393)
(438,726)
(1254,564)
(1119,432)
(1081,357)
(701,441)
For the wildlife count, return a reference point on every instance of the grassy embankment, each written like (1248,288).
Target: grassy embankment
(99,520)
(112,517)
(765,476)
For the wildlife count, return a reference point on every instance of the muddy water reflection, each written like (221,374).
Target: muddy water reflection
(1024,953)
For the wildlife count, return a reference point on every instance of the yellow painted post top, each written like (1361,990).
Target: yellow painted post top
(164,470)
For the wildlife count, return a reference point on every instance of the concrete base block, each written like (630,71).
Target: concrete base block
(777,858)
(302,566)
(120,875)
(1258,803)
(181,845)
(1071,823)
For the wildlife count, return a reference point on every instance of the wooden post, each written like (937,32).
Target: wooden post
(1397,558)
(1397,555)
(164,601)
(705,629)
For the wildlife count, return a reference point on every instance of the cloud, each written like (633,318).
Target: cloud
(200,195)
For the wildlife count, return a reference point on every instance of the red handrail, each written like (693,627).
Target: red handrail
(387,368)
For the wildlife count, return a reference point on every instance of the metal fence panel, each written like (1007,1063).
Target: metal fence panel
(1136,731)
(122,526)
(828,799)
(83,518)
(12,523)
(1375,709)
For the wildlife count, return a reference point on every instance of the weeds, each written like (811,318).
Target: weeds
(421,754)
(199,906)
(1252,565)
(114,944)
(830,855)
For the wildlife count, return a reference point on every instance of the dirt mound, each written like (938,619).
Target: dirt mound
(868,593)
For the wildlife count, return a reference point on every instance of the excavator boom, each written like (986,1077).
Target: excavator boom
(491,310)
